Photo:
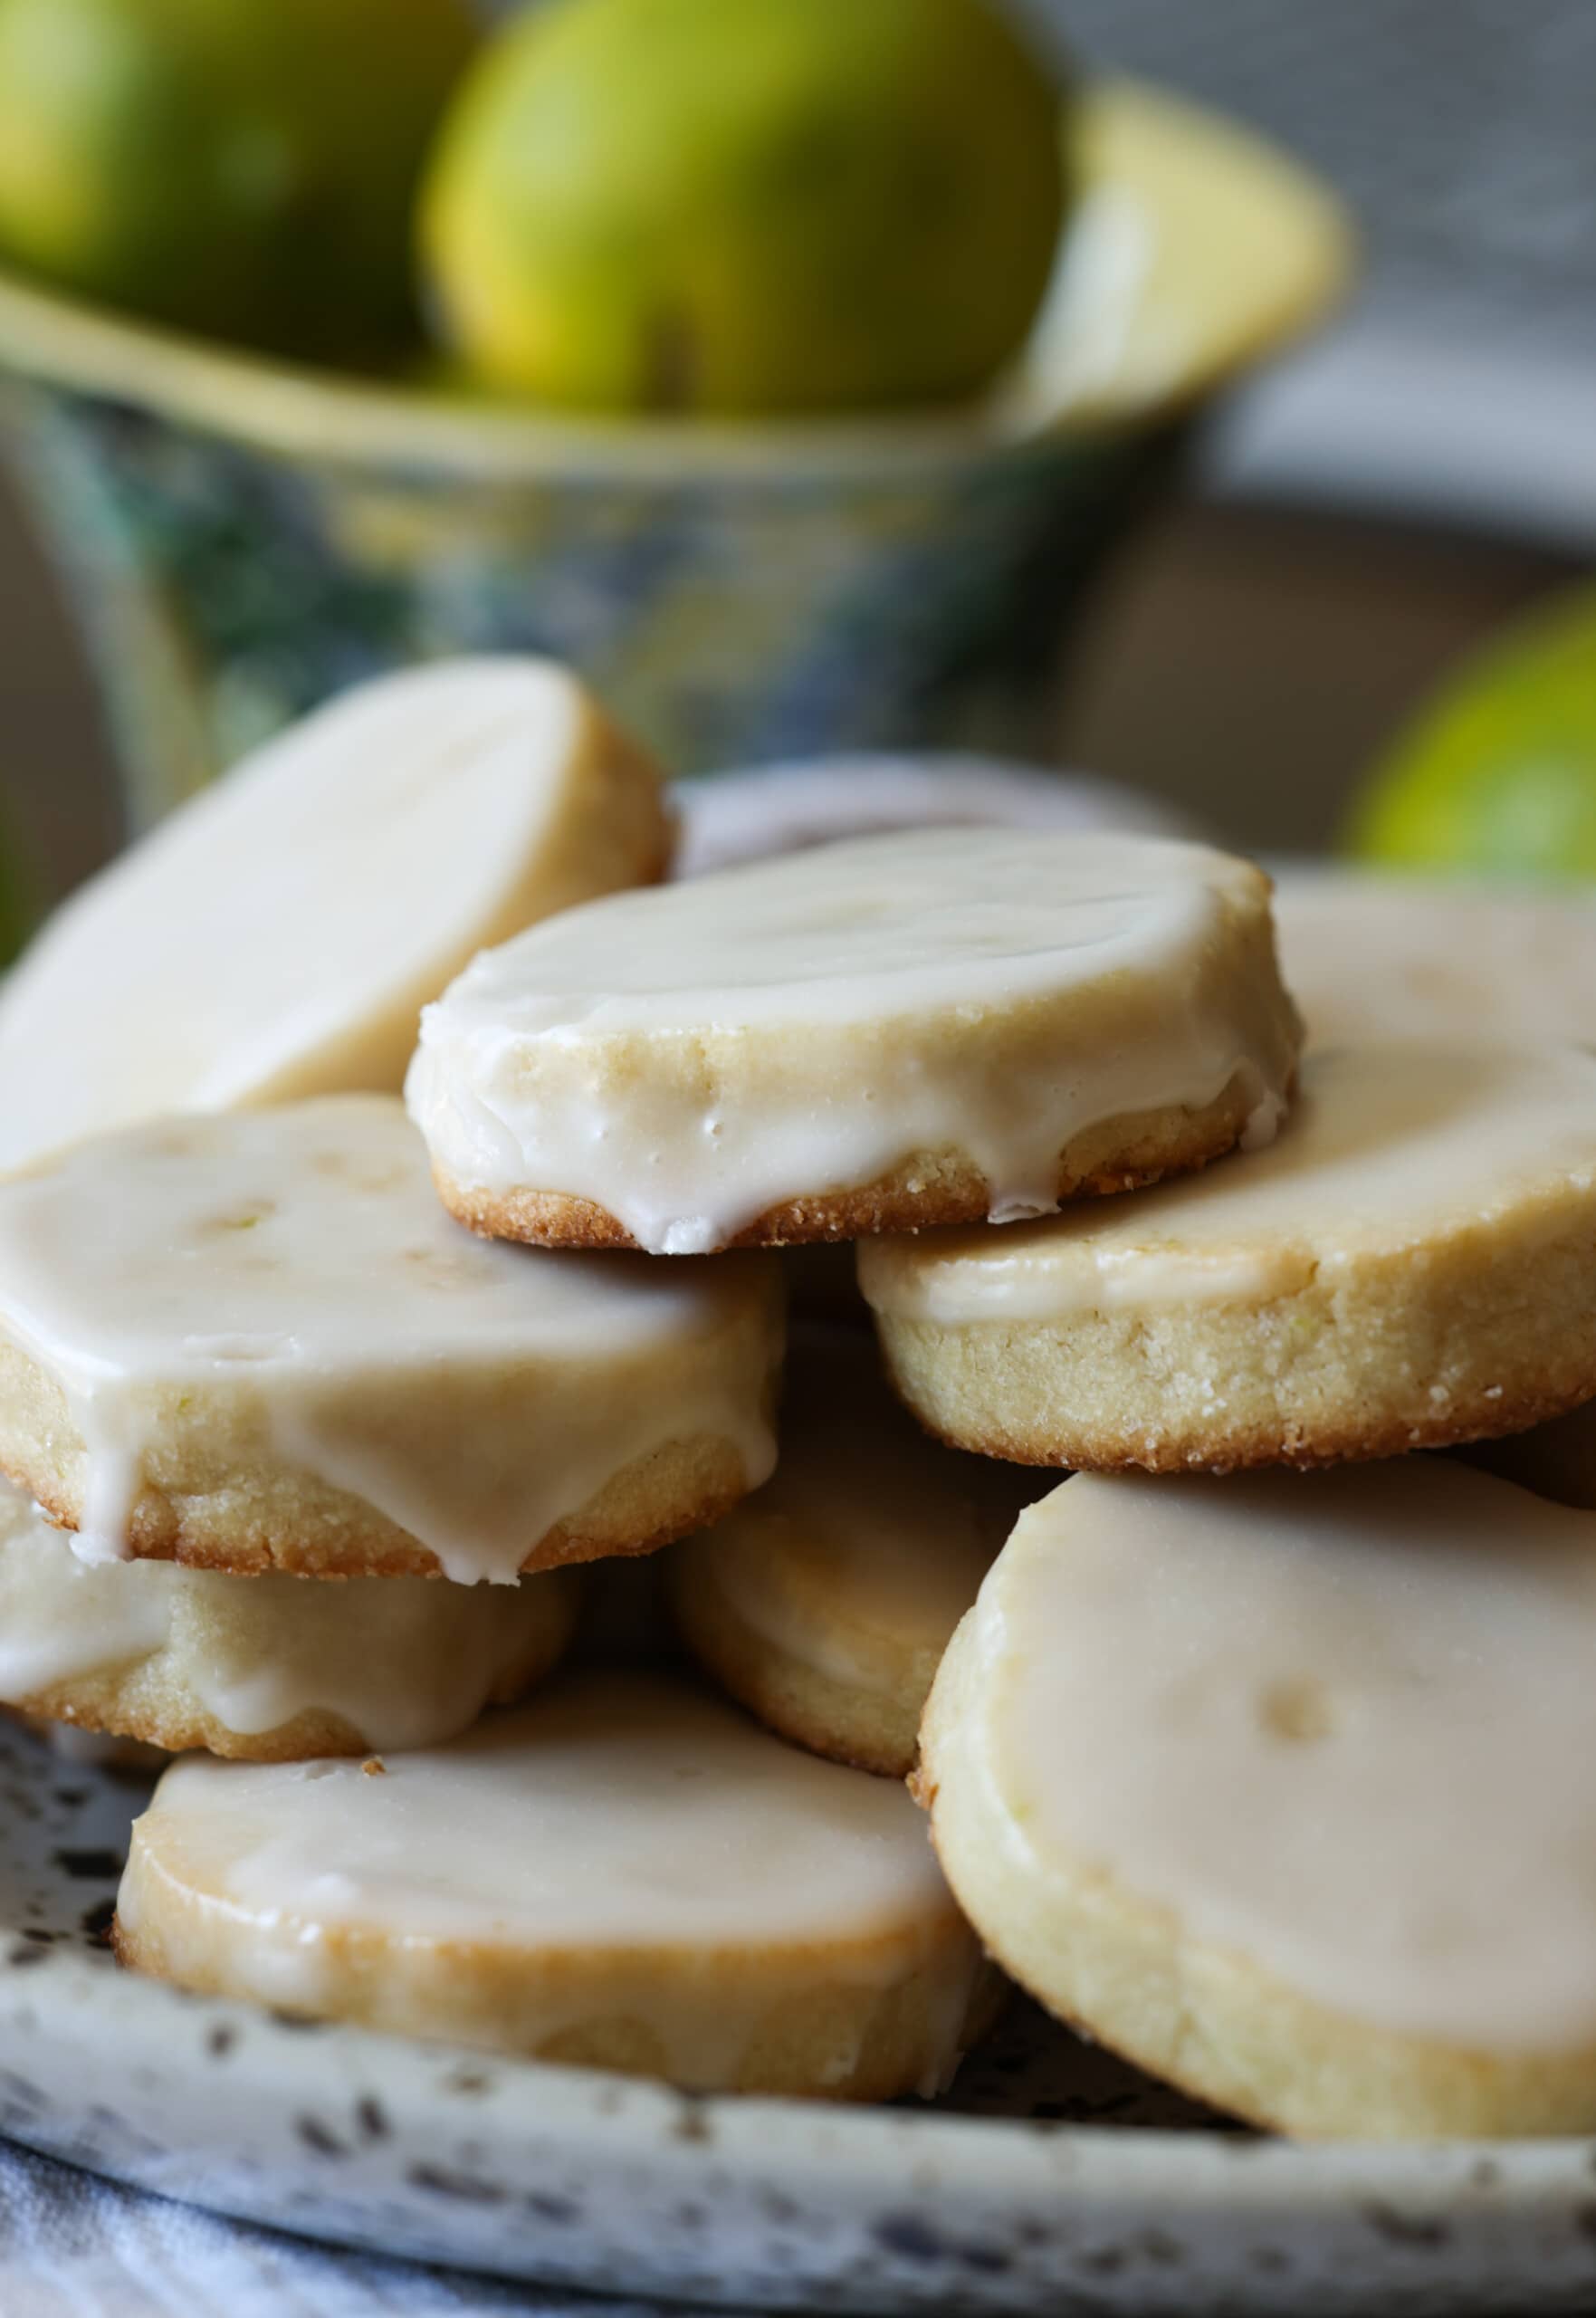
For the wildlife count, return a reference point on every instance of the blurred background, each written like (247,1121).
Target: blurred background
(1268,608)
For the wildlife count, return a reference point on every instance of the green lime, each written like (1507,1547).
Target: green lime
(745,206)
(242,167)
(1498,773)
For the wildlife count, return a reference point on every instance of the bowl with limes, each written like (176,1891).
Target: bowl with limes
(790,371)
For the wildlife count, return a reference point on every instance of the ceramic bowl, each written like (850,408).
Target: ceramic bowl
(241,538)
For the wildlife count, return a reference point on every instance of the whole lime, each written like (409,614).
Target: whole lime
(745,206)
(242,167)
(1498,774)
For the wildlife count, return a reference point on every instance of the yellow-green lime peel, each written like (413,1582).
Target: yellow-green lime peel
(1497,775)
(745,206)
(242,168)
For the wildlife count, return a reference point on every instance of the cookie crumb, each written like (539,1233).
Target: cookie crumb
(373,1767)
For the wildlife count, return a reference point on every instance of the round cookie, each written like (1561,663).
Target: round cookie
(724,817)
(279,935)
(1369,957)
(255,1341)
(906,1030)
(1276,1786)
(269,1668)
(1412,1263)
(823,1602)
(623,1874)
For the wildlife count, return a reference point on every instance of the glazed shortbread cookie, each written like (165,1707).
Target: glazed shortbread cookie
(910,1030)
(1413,1263)
(255,1341)
(272,1668)
(279,936)
(1279,1786)
(824,1603)
(625,1875)
(724,817)
(1372,957)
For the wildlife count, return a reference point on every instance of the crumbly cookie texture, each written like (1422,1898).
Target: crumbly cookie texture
(1212,1768)
(268,1669)
(928,1189)
(386,1395)
(906,1030)
(1411,1264)
(735,1916)
(825,1601)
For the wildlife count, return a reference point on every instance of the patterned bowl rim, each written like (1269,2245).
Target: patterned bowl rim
(1195,250)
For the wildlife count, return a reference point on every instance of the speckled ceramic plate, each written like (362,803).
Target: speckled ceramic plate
(1054,2179)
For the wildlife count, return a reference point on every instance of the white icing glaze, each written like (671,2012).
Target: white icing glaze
(402,1660)
(1387,1147)
(692,1057)
(618,1836)
(63,1616)
(1373,957)
(296,1264)
(279,935)
(860,1555)
(1334,1723)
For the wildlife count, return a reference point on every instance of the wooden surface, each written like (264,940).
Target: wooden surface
(1245,664)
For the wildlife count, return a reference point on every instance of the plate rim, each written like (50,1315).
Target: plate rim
(611,2112)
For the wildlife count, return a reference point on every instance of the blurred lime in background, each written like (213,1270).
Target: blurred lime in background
(1497,775)
(745,206)
(241,168)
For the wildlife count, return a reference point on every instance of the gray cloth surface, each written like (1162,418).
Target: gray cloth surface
(75,2246)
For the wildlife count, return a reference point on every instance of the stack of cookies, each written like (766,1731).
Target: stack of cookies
(1259,1771)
